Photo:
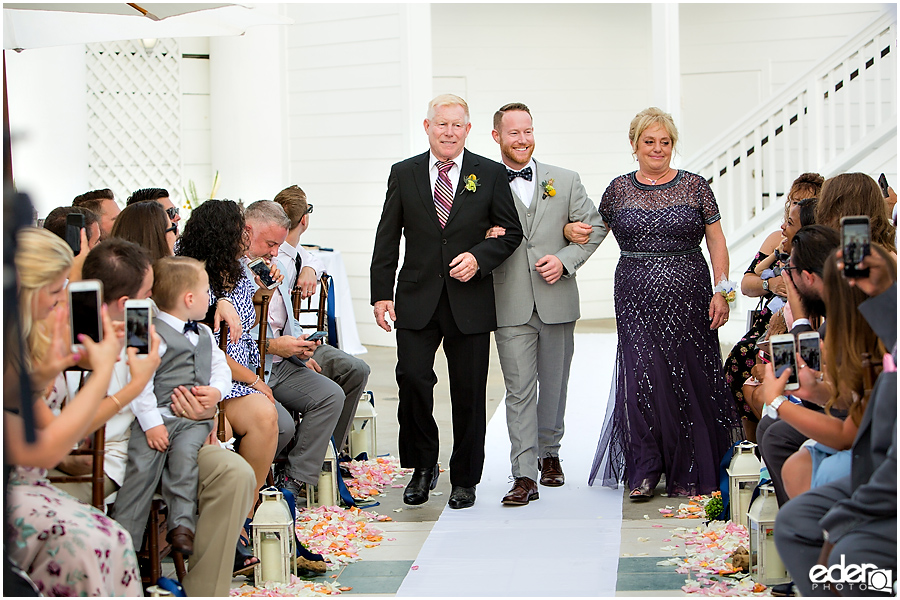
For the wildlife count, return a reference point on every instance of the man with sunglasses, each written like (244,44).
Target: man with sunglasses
(156,195)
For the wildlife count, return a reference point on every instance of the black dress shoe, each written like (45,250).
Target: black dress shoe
(423,480)
(461,497)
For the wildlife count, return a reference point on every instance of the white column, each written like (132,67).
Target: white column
(248,113)
(666,60)
(415,71)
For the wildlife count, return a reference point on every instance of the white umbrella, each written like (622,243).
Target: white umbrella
(27,25)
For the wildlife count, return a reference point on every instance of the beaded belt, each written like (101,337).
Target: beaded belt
(628,254)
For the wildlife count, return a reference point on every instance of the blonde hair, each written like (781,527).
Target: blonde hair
(648,118)
(447,100)
(41,258)
(173,276)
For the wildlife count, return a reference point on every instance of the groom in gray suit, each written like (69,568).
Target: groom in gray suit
(537,303)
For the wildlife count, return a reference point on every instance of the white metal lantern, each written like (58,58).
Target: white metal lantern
(743,477)
(273,538)
(326,492)
(363,436)
(765,563)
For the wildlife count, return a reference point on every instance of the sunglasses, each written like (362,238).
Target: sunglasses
(174,228)
(172,211)
(309,209)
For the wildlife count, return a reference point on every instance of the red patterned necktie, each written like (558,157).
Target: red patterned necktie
(443,192)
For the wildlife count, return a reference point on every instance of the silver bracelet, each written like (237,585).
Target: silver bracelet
(223,299)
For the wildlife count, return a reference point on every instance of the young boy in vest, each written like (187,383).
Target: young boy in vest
(163,447)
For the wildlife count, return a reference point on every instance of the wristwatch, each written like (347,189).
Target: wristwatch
(765,285)
(777,402)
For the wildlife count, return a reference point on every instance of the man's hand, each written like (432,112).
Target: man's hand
(225,311)
(185,404)
(879,278)
(550,268)
(287,345)
(793,296)
(495,232)
(274,273)
(577,232)
(463,267)
(312,364)
(381,307)
(206,395)
(157,438)
(306,282)
(143,366)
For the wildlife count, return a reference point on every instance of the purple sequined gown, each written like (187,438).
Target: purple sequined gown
(669,412)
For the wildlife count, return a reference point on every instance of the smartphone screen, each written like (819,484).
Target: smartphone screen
(782,358)
(809,352)
(137,329)
(262,269)
(85,314)
(316,336)
(855,234)
(74,225)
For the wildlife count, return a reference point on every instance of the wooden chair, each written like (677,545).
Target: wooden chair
(321,311)
(262,316)
(96,452)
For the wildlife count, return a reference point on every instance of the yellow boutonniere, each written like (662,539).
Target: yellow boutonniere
(472,183)
(549,190)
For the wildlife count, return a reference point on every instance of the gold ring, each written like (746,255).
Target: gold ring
(183,413)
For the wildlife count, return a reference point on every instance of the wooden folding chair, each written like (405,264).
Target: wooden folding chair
(321,311)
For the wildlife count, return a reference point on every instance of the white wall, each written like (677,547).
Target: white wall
(354,90)
(48,122)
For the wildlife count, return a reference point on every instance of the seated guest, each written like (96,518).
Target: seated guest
(147,225)
(66,547)
(90,235)
(811,245)
(227,484)
(103,204)
(156,195)
(303,270)
(851,194)
(826,457)
(163,446)
(853,521)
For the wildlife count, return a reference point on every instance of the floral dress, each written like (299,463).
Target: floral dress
(245,351)
(68,548)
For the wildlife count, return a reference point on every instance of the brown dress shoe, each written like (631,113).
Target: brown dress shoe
(551,472)
(182,540)
(523,491)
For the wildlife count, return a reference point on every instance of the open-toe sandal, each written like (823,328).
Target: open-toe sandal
(244,561)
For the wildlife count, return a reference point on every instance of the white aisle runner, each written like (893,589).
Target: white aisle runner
(564,544)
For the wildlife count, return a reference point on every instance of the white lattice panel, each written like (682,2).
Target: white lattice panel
(134,117)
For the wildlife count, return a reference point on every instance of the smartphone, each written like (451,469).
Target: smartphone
(74,225)
(316,336)
(809,349)
(137,325)
(259,266)
(882,181)
(855,244)
(783,350)
(84,309)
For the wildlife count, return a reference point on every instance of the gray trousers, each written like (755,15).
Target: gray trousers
(777,441)
(799,540)
(175,468)
(352,374)
(535,359)
(320,401)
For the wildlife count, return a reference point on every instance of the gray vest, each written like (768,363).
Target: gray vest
(182,364)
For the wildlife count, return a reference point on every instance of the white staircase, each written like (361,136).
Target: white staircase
(839,116)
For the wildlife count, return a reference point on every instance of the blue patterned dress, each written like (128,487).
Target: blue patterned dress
(245,352)
(670,411)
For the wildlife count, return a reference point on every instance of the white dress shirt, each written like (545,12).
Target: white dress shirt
(287,254)
(452,174)
(145,405)
(521,187)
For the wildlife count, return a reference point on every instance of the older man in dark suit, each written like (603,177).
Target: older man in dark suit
(443,202)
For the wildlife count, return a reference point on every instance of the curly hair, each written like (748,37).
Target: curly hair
(216,235)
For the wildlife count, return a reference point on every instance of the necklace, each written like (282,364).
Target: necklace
(653,181)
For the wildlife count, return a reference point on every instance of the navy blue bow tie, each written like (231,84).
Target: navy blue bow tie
(524,174)
(191,326)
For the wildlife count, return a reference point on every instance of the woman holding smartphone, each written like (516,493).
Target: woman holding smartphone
(66,547)
(826,456)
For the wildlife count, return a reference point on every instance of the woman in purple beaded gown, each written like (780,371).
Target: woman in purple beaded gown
(670,413)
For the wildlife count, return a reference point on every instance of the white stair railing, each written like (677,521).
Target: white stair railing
(825,122)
